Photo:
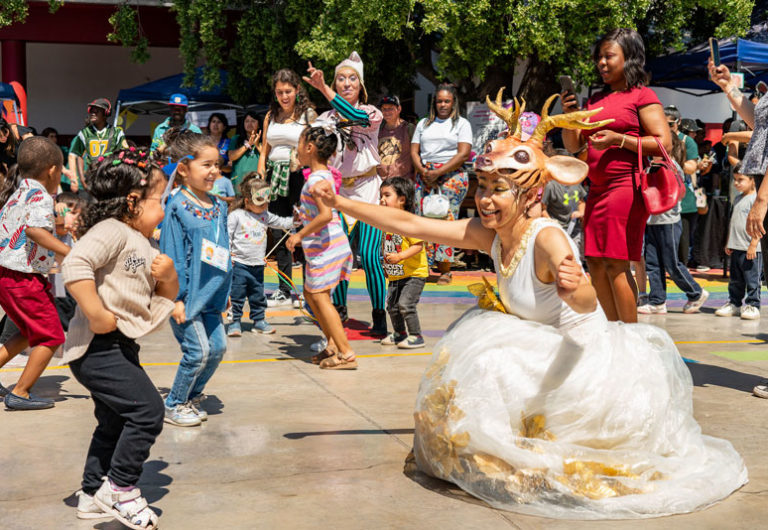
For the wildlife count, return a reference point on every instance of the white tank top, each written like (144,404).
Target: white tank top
(282,137)
(527,297)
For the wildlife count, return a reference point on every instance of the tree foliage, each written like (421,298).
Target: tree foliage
(476,44)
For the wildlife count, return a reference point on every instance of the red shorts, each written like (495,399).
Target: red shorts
(27,300)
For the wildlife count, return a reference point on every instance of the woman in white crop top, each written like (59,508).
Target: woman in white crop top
(290,112)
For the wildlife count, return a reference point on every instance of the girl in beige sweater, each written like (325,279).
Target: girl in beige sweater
(124,289)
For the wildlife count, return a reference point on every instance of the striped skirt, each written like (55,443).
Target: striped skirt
(329,258)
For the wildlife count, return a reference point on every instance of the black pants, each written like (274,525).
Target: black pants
(402,298)
(127,406)
(284,260)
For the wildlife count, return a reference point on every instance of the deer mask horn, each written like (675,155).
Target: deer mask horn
(510,116)
(573,120)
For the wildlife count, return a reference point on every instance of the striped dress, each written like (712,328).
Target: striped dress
(329,258)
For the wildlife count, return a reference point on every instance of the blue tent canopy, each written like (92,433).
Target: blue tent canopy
(152,97)
(684,71)
(7,92)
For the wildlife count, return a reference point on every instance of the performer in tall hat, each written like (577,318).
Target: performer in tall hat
(535,402)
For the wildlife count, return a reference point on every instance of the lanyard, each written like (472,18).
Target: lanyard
(215,220)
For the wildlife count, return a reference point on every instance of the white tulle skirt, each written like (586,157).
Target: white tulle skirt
(591,423)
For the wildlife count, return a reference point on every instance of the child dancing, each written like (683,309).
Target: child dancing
(326,248)
(406,267)
(247,226)
(124,290)
(194,235)
(27,249)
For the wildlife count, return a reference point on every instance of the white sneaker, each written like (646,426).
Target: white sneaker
(181,416)
(298,302)
(750,312)
(87,509)
(278,299)
(194,406)
(761,390)
(319,346)
(650,309)
(728,310)
(693,307)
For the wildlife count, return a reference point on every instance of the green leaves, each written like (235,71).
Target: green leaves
(126,30)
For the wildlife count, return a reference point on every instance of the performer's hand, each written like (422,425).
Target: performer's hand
(179,314)
(315,78)
(569,276)
(325,192)
(728,251)
(292,242)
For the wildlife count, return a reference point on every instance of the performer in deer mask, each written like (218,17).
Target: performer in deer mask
(535,402)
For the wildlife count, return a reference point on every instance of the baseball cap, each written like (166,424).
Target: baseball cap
(689,125)
(179,100)
(390,100)
(102,103)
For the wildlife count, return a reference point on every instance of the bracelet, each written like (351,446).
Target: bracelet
(623,139)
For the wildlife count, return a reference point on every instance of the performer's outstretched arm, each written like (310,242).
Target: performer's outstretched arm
(464,233)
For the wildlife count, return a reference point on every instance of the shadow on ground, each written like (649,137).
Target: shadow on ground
(707,374)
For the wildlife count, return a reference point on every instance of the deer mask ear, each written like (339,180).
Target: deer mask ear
(566,170)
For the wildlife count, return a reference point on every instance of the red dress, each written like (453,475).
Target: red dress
(615,216)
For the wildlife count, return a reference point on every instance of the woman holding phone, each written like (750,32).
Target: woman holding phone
(755,161)
(615,216)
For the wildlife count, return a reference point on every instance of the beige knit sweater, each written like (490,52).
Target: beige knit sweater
(118,259)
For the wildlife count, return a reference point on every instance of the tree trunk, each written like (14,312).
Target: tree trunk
(539,82)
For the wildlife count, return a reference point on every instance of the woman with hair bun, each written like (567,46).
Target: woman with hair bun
(615,217)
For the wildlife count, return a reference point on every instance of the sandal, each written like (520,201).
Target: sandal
(318,358)
(128,507)
(445,279)
(338,362)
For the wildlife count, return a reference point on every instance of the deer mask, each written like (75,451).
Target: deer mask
(524,163)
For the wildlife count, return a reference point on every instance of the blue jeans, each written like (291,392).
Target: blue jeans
(661,257)
(248,282)
(745,276)
(203,343)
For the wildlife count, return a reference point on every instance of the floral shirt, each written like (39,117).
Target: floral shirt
(30,206)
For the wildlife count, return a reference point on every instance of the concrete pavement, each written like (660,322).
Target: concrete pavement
(290,446)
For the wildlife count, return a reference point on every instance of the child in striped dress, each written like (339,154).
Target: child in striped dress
(326,248)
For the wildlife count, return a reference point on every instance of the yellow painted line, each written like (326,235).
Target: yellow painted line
(374,355)
(243,361)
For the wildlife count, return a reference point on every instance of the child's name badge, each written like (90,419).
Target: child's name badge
(213,254)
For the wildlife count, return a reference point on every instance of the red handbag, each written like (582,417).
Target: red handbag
(661,183)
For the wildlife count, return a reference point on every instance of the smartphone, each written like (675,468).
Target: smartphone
(714,51)
(566,84)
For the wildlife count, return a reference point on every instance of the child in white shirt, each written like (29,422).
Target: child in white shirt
(247,226)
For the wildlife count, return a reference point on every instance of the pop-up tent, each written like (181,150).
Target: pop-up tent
(687,71)
(152,97)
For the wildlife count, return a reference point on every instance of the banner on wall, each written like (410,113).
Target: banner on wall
(485,124)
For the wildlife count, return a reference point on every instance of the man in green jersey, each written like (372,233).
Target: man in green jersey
(96,139)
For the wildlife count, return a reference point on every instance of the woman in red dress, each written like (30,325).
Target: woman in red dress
(615,217)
